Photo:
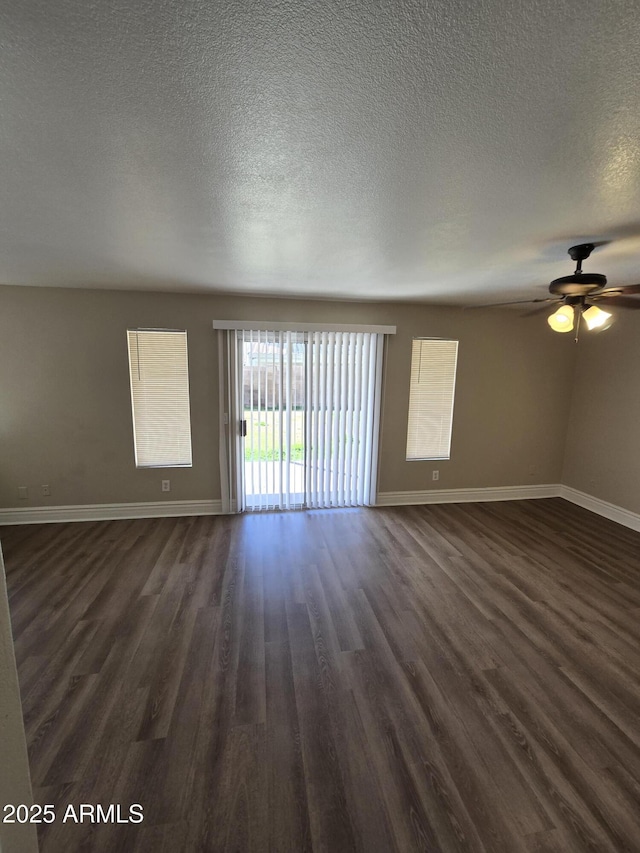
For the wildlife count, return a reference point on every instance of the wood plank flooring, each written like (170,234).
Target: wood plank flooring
(440,678)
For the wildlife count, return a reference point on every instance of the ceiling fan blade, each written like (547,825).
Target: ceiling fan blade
(618,301)
(616,291)
(540,308)
(516,302)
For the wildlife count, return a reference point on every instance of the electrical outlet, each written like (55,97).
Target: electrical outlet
(435,475)
(166,485)
(46,491)
(22,493)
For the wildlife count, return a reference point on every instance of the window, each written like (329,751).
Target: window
(159,376)
(433,381)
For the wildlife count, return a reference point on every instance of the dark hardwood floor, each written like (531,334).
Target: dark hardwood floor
(441,678)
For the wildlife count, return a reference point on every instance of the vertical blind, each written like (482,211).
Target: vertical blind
(343,399)
(159,376)
(431,396)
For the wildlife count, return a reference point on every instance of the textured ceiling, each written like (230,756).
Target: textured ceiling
(443,151)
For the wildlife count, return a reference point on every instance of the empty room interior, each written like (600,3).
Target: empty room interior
(319,416)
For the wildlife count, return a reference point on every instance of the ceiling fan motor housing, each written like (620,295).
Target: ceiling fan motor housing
(578,284)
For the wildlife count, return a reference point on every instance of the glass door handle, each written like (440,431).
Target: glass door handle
(243,428)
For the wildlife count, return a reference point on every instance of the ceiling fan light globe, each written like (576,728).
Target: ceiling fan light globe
(562,319)
(596,318)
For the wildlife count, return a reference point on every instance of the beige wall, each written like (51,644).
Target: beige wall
(65,418)
(603,440)
(15,781)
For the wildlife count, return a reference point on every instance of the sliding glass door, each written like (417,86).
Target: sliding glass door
(273,389)
(301,422)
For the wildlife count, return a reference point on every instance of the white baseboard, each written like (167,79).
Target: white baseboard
(603,508)
(174,509)
(442,496)
(107,512)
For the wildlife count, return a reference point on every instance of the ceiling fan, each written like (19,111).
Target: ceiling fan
(577,294)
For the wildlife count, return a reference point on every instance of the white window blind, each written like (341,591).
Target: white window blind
(433,381)
(159,375)
(343,404)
